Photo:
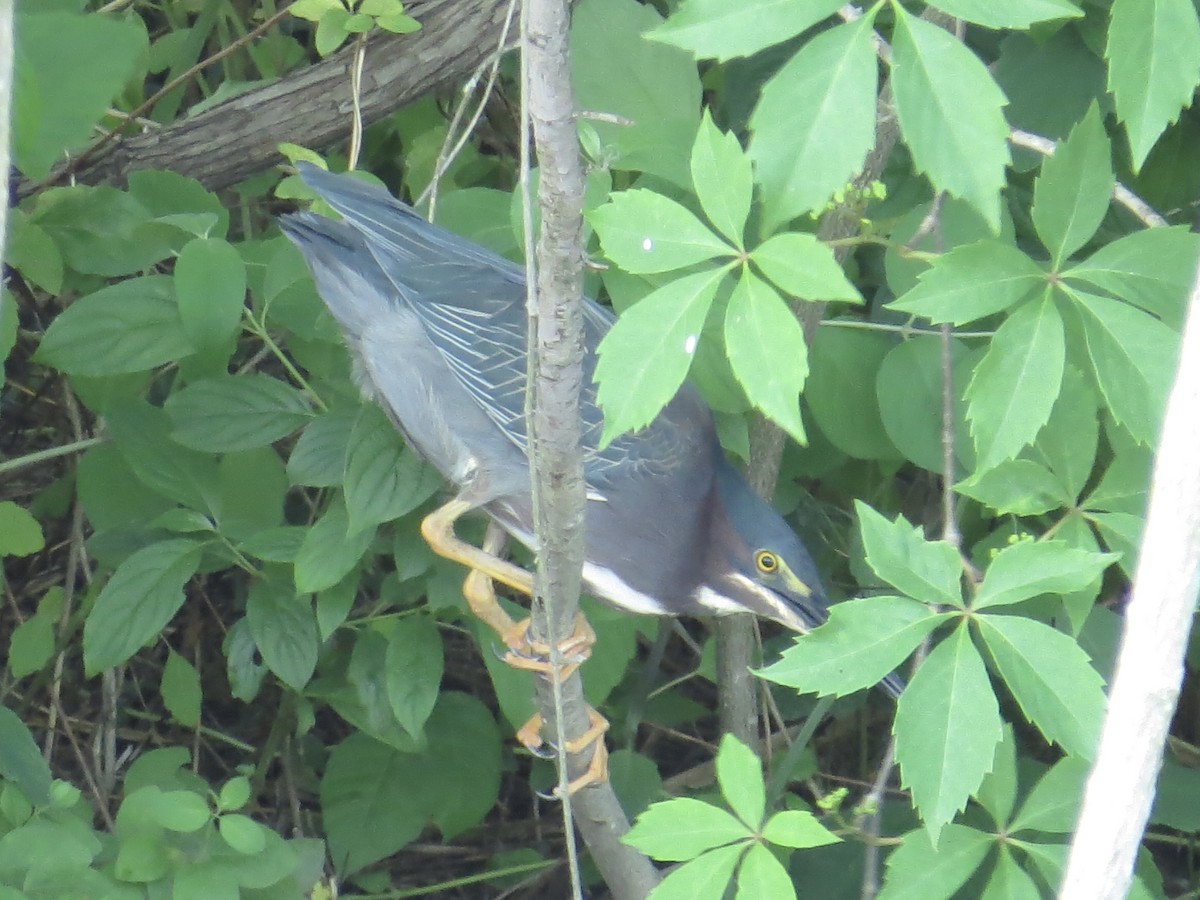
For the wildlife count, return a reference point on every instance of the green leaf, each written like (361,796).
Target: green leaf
(102,231)
(182,811)
(210,282)
(312,10)
(140,598)
(947,728)
(998,792)
(921,870)
(140,432)
(332,30)
(815,121)
(762,875)
(1051,679)
(1018,14)
(644,232)
(723,179)
(1028,569)
(930,571)
(1152,268)
(235,793)
(319,457)
(802,266)
(1053,804)
(242,834)
(767,352)
(284,630)
(1153,55)
(1018,487)
(706,877)
(1134,357)
(180,688)
(971,282)
(33,253)
(844,368)
(21,760)
(71,98)
(683,828)
(20,533)
(376,799)
(950,114)
(329,551)
(739,773)
(715,29)
(655,88)
(797,828)
(227,414)
(31,644)
(383,480)
(1068,442)
(1010,881)
(909,387)
(863,641)
(414,671)
(1017,381)
(131,326)
(1071,196)
(646,355)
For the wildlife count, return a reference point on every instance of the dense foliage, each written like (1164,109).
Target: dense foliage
(233,667)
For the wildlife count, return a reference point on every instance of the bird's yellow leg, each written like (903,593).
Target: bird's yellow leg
(438,530)
(530,734)
(487,566)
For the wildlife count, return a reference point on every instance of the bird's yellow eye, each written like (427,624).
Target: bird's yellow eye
(767,562)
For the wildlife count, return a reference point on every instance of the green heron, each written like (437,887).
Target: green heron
(436,326)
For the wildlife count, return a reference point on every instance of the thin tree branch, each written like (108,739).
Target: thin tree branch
(556,377)
(1149,670)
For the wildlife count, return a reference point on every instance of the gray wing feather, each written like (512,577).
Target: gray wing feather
(472,304)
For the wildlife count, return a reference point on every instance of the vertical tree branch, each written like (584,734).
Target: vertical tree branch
(1149,670)
(556,348)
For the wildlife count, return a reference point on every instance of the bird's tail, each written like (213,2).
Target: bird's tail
(356,292)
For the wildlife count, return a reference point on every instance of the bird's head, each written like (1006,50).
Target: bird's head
(755,562)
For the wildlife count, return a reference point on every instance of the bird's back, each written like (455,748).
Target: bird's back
(471,303)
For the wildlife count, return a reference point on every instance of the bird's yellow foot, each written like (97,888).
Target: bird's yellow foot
(530,734)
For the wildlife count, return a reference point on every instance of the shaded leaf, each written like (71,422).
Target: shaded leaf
(227,414)
(140,598)
(284,630)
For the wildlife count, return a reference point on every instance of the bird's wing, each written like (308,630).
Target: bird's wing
(472,304)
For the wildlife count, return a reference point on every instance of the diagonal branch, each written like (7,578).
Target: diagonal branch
(238,138)
(1149,670)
